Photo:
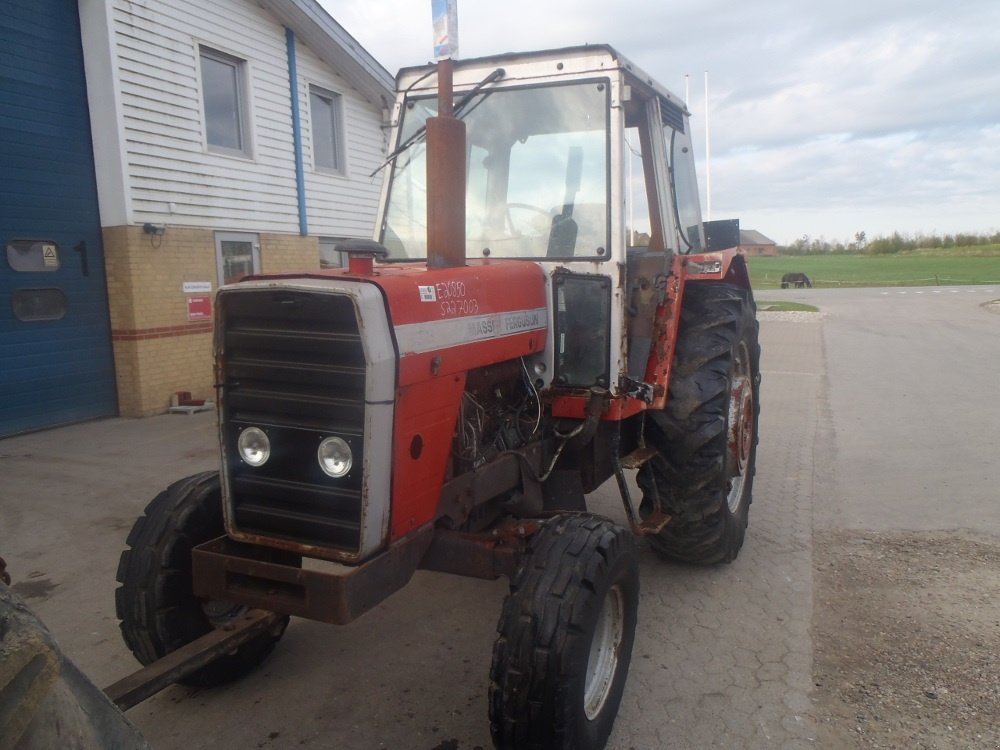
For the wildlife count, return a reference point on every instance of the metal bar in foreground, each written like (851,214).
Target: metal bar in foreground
(151,679)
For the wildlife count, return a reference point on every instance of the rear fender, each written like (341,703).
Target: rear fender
(727,266)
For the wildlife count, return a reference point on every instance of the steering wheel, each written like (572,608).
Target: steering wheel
(543,228)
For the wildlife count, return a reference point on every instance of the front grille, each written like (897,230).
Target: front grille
(293,364)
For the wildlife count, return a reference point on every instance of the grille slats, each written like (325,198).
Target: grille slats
(289,524)
(265,368)
(294,364)
(290,407)
(252,336)
(307,513)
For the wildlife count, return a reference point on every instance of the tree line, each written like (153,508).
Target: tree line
(886,245)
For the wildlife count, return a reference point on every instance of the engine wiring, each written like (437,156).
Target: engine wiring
(534,391)
(498,417)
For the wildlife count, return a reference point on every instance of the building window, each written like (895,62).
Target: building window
(224,100)
(237,255)
(329,254)
(327,130)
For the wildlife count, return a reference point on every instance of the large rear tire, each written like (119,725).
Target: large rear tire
(565,637)
(706,437)
(156,604)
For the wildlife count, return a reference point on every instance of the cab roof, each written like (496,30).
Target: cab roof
(564,61)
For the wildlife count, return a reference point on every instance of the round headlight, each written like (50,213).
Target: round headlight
(334,457)
(254,446)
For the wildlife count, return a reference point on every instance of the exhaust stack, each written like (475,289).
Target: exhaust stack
(445,178)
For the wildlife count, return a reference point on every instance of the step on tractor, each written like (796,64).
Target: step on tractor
(542,310)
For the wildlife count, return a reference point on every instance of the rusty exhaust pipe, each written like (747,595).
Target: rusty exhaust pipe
(445,178)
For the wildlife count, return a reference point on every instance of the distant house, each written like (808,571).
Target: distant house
(153,151)
(753,244)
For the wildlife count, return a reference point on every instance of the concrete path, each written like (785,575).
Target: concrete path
(722,658)
(723,655)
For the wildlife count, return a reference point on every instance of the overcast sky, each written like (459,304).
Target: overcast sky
(825,118)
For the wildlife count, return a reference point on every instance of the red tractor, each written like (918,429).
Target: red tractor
(448,400)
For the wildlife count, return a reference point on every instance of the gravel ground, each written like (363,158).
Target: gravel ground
(906,628)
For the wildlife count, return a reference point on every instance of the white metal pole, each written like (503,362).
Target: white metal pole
(631,201)
(708,160)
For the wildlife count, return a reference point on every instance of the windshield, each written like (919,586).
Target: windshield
(536,171)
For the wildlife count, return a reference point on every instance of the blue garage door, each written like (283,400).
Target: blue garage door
(55,343)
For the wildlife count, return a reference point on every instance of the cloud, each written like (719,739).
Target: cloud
(917,181)
(836,116)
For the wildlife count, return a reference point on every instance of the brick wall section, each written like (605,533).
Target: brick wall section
(158,351)
(281,253)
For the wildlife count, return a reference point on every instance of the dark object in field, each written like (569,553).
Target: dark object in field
(798,279)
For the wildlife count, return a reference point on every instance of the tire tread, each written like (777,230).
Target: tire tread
(543,618)
(690,434)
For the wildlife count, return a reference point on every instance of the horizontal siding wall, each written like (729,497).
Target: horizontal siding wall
(157,48)
(342,205)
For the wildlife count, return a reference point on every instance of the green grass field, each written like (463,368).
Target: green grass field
(958,266)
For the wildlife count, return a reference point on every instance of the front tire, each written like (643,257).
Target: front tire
(706,437)
(156,604)
(565,637)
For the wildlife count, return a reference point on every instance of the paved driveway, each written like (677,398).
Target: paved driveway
(723,656)
(906,537)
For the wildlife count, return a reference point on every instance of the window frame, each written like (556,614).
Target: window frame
(248,237)
(242,94)
(334,258)
(339,140)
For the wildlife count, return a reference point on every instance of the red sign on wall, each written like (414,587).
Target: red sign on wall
(199,308)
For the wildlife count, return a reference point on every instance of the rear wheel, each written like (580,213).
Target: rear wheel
(565,637)
(155,602)
(706,437)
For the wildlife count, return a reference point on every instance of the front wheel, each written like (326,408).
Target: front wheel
(156,604)
(565,637)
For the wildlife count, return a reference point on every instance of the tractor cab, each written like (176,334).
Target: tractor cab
(576,160)
(572,156)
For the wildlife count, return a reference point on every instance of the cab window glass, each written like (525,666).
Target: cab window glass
(685,189)
(537,179)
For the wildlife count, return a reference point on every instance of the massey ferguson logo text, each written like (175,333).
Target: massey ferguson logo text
(433,335)
(522,321)
(508,323)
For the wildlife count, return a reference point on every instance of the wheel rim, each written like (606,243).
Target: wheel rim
(602,663)
(741,426)
(220,612)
